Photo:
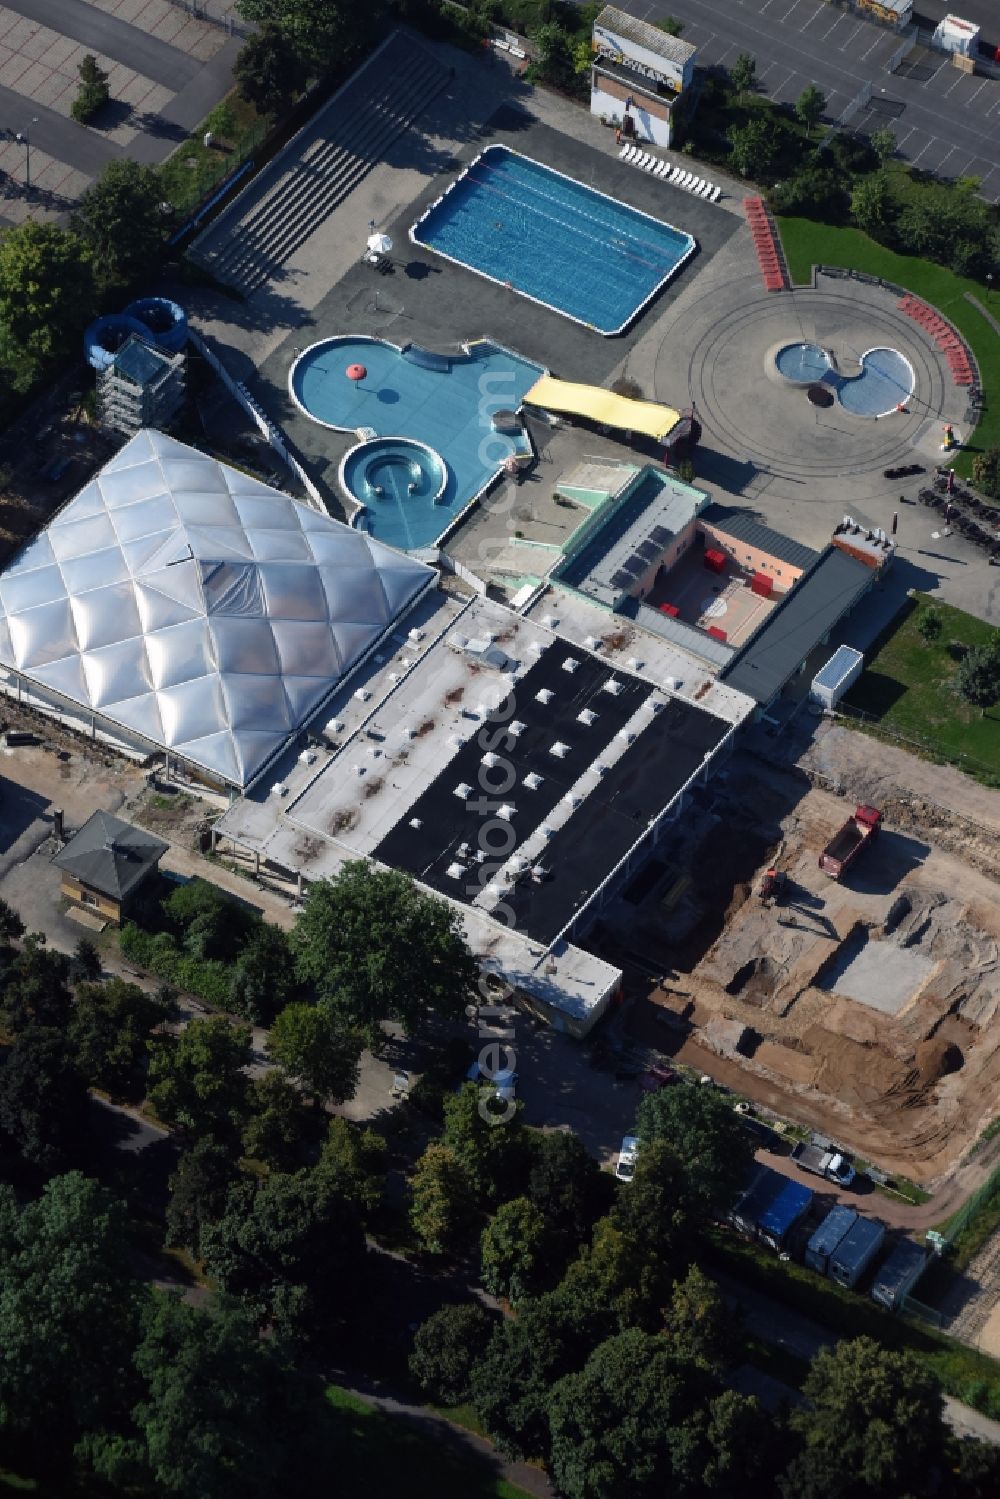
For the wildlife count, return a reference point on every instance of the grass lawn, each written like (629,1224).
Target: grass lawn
(194,168)
(808,243)
(382,1454)
(907,687)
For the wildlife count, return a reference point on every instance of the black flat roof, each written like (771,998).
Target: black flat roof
(605,824)
(796,626)
(743,525)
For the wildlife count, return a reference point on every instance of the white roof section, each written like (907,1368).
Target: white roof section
(192,605)
(644,34)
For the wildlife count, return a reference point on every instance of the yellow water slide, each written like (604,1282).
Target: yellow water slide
(599,405)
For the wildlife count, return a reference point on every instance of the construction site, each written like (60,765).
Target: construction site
(863,1007)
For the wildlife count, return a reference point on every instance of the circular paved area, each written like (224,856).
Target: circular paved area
(729,335)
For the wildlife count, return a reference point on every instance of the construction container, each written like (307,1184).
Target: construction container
(828,1237)
(832,680)
(855,1252)
(896,1278)
(771,1207)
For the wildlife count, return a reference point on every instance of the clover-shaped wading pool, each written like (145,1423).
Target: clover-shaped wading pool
(884,382)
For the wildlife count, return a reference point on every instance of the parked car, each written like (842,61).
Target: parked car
(657,1078)
(504,1081)
(627,1156)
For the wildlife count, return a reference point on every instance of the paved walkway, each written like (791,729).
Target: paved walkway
(524,1475)
(166,70)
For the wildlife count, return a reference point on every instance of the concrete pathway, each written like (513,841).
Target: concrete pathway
(104,33)
(523,1475)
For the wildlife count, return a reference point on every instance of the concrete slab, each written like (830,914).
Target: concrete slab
(881,975)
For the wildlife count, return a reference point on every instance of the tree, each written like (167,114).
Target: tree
(263,978)
(43,1099)
(978,676)
(706,1133)
(512,1248)
(872,208)
(291,1248)
(670,25)
(816,191)
(313,1047)
(219,1415)
(445,1350)
(282,1126)
(492,1155)
(699,1324)
(930,625)
(555,54)
(519,1365)
(93,92)
(36,992)
(46,297)
(87,960)
(111,1029)
(743,74)
(199,1189)
(269,72)
(873,1425)
(442,1209)
(753,148)
(629,1423)
(883,143)
(11,925)
(618,1281)
(569,1189)
(810,106)
(660,1207)
(353,1161)
(322,32)
(986,472)
(68,1306)
(198,1080)
(377,948)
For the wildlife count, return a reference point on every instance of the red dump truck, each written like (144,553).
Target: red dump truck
(845,845)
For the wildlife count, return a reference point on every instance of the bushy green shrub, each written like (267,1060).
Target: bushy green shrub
(93,93)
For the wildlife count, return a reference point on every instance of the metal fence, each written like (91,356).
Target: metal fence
(961,761)
(220,13)
(960,1222)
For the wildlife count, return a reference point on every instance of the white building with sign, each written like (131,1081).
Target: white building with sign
(638,75)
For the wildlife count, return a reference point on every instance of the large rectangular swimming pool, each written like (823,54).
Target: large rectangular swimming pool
(547,236)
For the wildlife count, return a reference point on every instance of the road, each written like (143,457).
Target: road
(945,121)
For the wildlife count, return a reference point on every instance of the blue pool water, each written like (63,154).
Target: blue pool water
(553,239)
(393,472)
(445,402)
(802,363)
(886,378)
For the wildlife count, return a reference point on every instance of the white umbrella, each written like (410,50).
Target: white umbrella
(379,244)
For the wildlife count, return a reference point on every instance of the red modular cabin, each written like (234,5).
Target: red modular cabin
(847,843)
(670,609)
(762,585)
(715,561)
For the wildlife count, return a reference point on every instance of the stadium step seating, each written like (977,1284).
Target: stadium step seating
(268,224)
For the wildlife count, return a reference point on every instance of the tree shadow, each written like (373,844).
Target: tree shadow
(159,127)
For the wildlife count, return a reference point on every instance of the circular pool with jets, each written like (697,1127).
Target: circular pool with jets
(884,381)
(392,477)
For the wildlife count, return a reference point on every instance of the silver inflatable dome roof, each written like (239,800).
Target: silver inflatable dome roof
(197,607)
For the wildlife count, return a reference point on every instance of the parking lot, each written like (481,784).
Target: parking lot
(945,121)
